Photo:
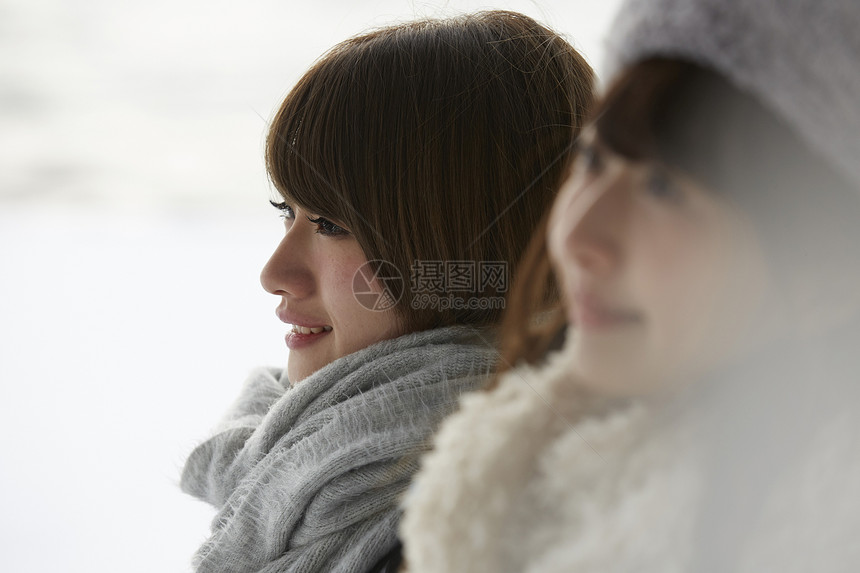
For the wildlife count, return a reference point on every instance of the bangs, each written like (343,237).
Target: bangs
(625,120)
(690,118)
(310,144)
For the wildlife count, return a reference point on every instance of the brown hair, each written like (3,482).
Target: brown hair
(692,119)
(438,140)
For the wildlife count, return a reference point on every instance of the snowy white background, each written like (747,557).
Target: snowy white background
(133,225)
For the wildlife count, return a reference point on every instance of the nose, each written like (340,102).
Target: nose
(588,223)
(288,271)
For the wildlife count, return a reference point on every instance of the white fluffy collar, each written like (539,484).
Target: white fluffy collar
(537,477)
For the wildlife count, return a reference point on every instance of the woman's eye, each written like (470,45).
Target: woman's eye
(324,226)
(286,210)
(327,228)
(661,185)
(589,159)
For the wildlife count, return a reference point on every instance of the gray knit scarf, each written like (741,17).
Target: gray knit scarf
(308,478)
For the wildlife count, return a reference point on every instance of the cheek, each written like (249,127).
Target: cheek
(702,293)
(679,273)
(357,325)
(337,283)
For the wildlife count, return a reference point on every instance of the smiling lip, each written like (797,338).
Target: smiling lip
(296,339)
(589,313)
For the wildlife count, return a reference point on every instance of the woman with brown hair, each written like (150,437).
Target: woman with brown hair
(413,164)
(701,412)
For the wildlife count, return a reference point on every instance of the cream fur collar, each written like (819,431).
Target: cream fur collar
(537,477)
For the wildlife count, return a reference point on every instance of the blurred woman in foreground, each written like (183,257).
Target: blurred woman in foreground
(701,413)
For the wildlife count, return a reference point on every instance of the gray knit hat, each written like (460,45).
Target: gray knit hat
(800,58)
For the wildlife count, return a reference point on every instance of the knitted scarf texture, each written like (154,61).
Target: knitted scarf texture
(308,478)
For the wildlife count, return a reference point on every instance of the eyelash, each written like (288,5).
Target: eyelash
(660,183)
(591,158)
(286,211)
(588,157)
(662,187)
(327,228)
(324,226)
